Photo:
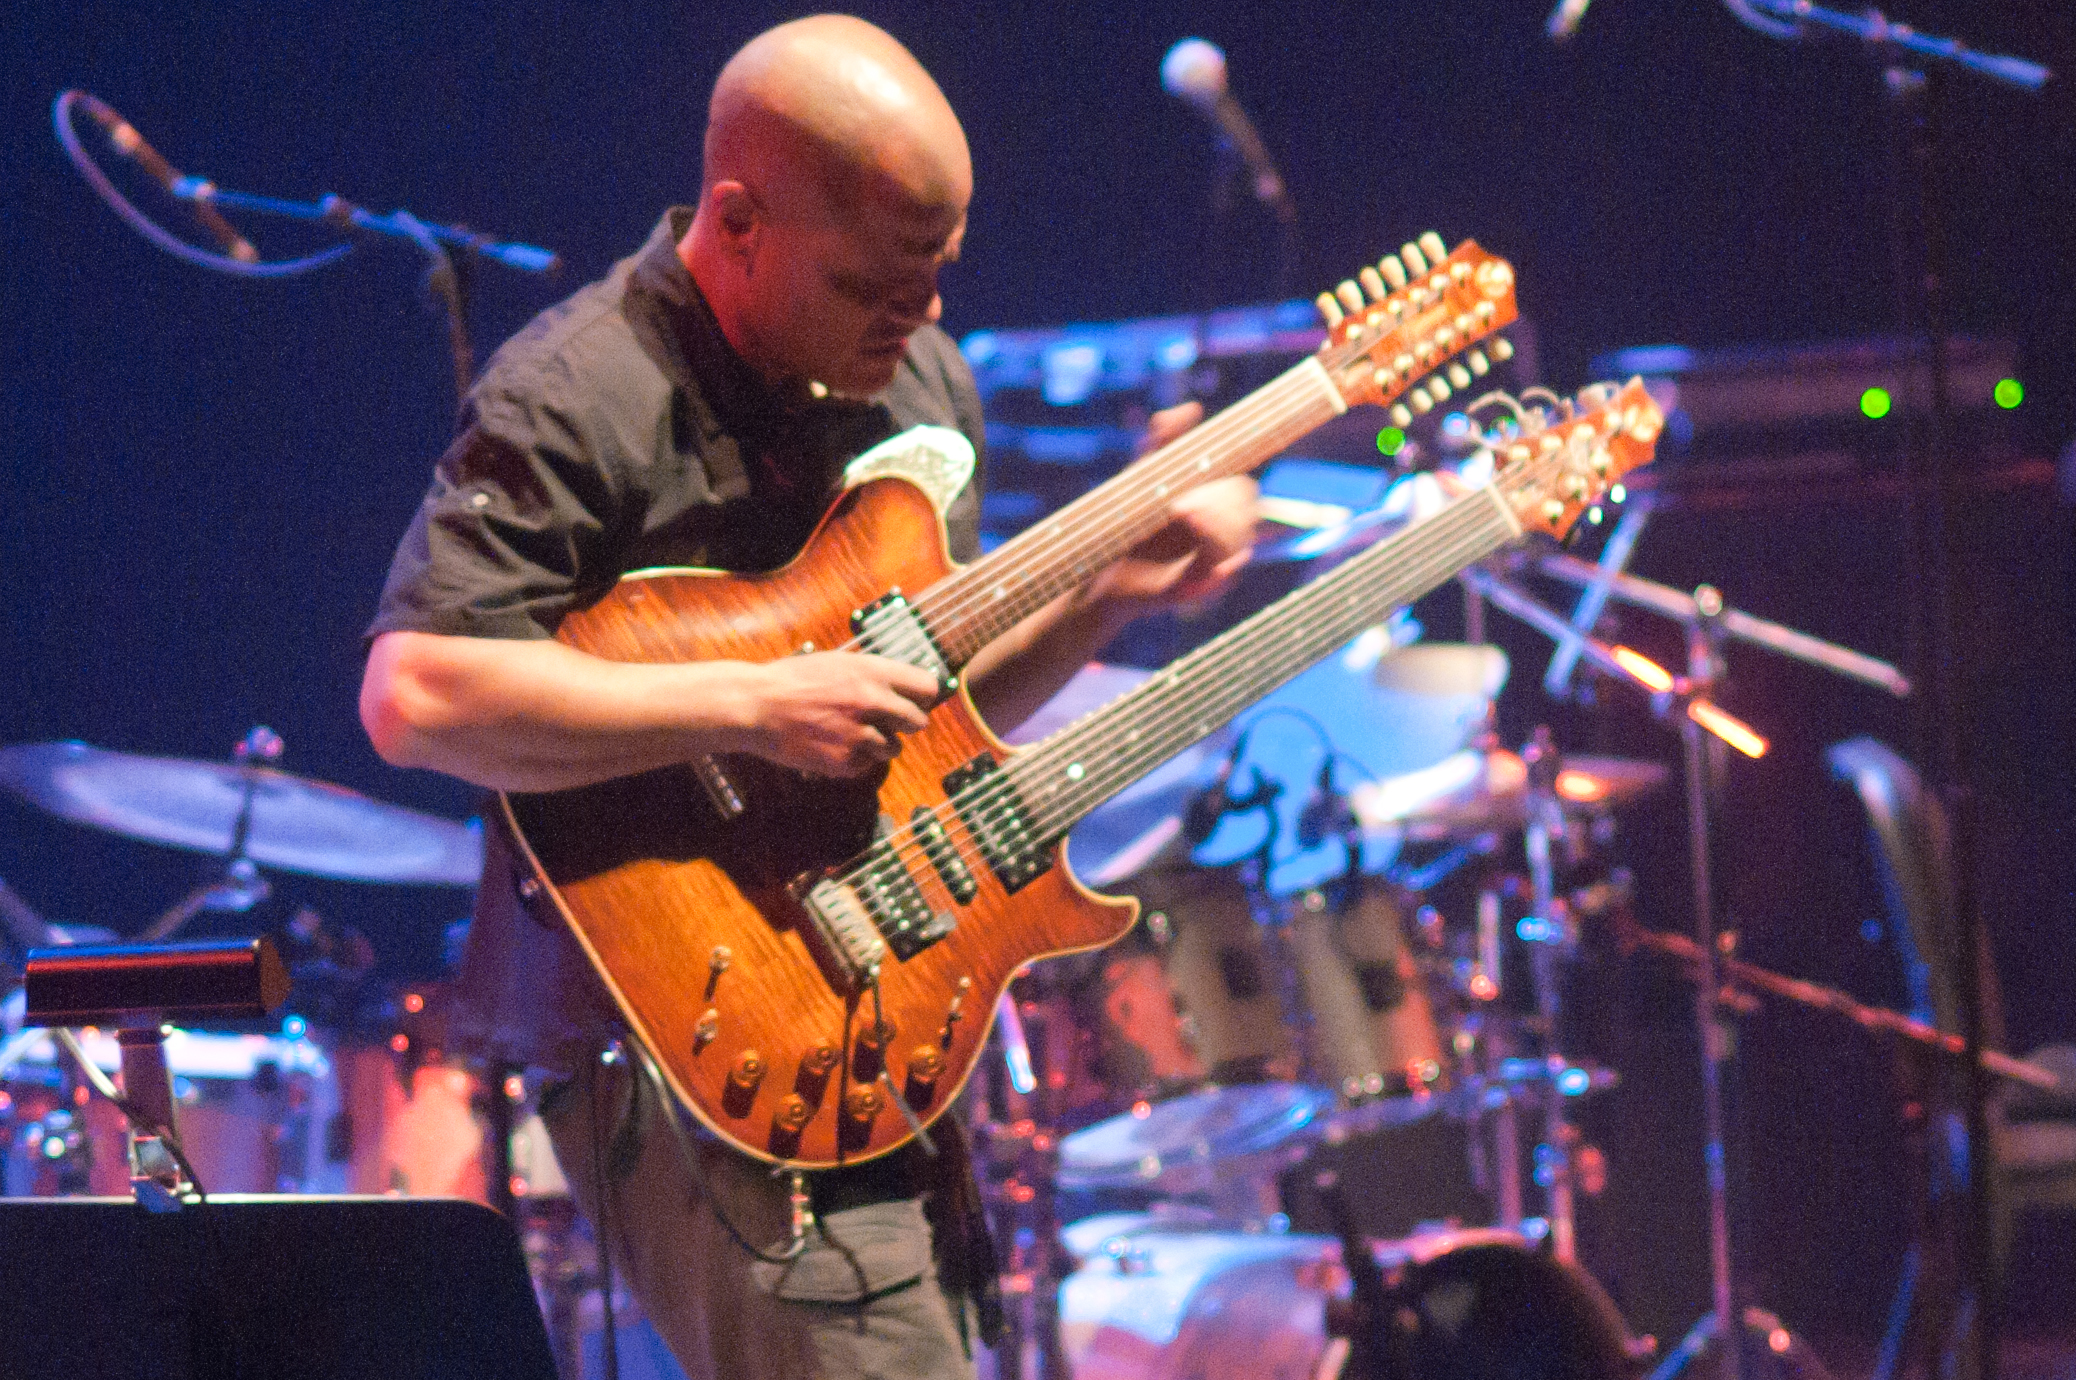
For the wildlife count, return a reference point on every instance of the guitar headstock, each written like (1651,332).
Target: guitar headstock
(1554,463)
(1393,325)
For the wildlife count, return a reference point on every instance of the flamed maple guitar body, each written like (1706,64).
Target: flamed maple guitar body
(754,1005)
(769,1042)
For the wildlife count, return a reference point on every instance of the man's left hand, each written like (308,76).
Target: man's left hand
(1195,555)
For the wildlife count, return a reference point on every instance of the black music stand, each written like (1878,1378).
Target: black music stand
(249,1287)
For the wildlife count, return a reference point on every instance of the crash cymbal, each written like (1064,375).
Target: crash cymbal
(1481,792)
(296,824)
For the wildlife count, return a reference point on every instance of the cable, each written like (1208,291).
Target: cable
(60,114)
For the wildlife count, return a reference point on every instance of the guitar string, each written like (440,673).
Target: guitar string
(998,797)
(1426,549)
(1461,298)
(970,593)
(993,800)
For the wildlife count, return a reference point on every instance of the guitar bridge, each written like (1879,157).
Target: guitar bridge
(878,906)
(845,926)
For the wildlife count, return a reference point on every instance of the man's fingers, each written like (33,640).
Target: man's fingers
(1165,425)
(912,683)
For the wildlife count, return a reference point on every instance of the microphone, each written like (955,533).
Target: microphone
(1209,805)
(128,142)
(1564,20)
(1325,813)
(1195,70)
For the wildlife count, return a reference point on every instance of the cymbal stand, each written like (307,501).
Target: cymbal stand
(240,887)
(1704,730)
(1549,946)
(1021,1153)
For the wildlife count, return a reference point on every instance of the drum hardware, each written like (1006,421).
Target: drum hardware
(1705,730)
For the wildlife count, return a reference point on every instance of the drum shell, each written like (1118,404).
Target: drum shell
(1155,1304)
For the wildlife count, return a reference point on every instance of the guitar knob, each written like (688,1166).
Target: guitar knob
(861,1104)
(820,1060)
(747,1071)
(925,1064)
(793,1113)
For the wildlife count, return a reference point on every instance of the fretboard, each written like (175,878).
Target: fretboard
(1077,768)
(966,611)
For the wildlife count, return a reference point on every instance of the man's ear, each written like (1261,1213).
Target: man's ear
(737,219)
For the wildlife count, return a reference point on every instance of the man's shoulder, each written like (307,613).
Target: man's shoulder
(581,354)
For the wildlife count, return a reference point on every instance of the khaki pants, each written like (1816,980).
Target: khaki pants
(863,1299)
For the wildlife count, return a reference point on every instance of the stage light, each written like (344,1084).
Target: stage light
(2009,393)
(1574,1081)
(1648,672)
(1875,402)
(1390,441)
(1730,729)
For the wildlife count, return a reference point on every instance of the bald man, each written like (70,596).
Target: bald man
(696,407)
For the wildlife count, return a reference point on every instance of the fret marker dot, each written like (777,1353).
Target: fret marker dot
(1074,771)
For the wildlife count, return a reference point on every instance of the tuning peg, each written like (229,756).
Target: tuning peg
(1372,284)
(1431,245)
(1438,388)
(1416,262)
(1502,349)
(1421,402)
(1401,415)
(1394,271)
(1459,376)
(1350,295)
(1329,310)
(1479,365)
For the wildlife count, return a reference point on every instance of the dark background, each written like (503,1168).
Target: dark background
(204,477)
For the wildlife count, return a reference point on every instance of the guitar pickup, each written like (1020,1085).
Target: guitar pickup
(890,626)
(994,816)
(943,855)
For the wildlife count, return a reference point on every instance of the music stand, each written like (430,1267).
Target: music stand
(250,1286)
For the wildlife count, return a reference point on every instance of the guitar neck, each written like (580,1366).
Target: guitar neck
(1076,769)
(970,609)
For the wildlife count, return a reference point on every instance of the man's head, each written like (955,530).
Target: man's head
(836,186)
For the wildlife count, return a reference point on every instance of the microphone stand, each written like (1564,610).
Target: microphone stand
(449,276)
(1704,729)
(1913,68)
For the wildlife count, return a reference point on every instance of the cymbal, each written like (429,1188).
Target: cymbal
(297,825)
(1481,792)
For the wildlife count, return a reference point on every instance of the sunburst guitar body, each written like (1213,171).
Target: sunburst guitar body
(815,1024)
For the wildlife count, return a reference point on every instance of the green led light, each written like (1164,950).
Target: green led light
(1875,402)
(2009,393)
(1390,441)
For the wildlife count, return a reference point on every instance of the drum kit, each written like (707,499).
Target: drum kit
(1291,990)
(360,1092)
(1359,910)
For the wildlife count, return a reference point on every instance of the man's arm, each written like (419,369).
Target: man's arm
(538,716)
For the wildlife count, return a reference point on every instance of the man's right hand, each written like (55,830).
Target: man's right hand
(837,713)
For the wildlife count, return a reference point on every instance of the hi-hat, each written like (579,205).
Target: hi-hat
(296,824)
